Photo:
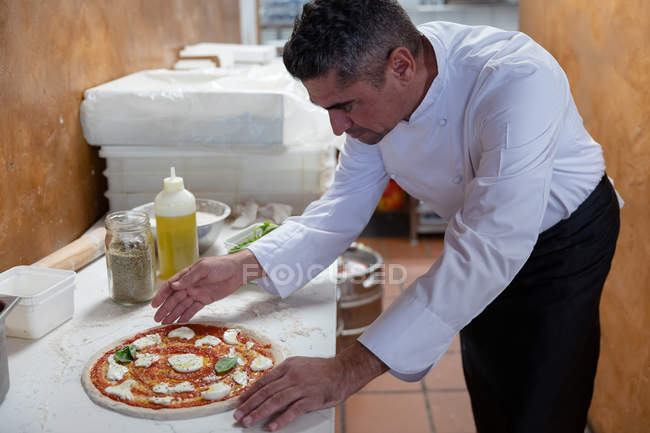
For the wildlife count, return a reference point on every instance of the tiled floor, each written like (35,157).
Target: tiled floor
(439,403)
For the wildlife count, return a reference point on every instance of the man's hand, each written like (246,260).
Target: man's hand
(301,385)
(204,282)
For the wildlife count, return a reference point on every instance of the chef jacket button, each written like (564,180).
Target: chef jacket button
(457,179)
(442,122)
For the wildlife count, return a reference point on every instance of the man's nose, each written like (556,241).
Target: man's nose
(340,121)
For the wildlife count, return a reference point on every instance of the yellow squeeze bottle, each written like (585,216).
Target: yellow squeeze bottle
(175,209)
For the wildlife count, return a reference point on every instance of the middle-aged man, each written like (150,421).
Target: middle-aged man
(481,124)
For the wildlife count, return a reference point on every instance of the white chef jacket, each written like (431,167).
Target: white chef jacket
(496,147)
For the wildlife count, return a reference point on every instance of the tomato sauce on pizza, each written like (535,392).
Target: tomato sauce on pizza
(180,366)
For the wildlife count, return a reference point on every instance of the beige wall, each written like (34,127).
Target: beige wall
(51,185)
(604,47)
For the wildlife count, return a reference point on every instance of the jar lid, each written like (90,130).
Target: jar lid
(127,220)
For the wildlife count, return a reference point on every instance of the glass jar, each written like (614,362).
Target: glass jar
(130,257)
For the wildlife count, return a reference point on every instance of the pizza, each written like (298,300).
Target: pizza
(179,371)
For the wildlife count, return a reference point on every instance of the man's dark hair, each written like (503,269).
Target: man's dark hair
(352,37)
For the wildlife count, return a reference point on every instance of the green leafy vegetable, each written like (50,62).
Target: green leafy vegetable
(261,230)
(225,364)
(125,354)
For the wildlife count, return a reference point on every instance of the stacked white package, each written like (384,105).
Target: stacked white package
(233,134)
(295,176)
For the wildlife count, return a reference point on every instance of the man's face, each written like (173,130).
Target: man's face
(360,109)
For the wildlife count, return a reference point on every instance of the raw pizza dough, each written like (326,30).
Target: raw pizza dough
(172,413)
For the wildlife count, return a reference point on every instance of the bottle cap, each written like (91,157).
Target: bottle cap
(173,183)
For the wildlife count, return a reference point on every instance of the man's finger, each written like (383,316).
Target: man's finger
(256,396)
(163,293)
(202,294)
(194,274)
(271,404)
(169,304)
(273,375)
(178,310)
(166,289)
(296,409)
(178,275)
(190,312)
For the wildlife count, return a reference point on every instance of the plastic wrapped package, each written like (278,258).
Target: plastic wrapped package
(261,107)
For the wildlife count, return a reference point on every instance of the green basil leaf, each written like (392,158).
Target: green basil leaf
(132,350)
(225,364)
(124,354)
(259,231)
(268,227)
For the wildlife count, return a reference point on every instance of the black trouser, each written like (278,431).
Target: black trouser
(530,357)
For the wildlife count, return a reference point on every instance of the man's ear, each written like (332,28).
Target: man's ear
(401,64)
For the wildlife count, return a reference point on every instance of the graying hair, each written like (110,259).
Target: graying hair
(353,37)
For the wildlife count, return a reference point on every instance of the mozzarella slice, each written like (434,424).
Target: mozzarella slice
(115,370)
(145,359)
(183,332)
(216,391)
(185,363)
(249,345)
(164,388)
(261,363)
(147,340)
(210,340)
(240,377)
(183,387)
(230,336)
(211,378)
(163,401)
(161,388)
(123,390)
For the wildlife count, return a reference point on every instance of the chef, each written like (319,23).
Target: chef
(479,123)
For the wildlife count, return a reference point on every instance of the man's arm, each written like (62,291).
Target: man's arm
(304,245)
(491,236)
(303,384)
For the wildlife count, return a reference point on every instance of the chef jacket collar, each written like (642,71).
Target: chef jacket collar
(433,94)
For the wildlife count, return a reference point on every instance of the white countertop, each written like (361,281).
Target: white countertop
(45,392)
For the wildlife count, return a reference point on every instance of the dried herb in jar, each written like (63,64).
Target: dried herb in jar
(130,258)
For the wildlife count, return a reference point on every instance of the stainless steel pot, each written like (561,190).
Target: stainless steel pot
(361,289)
(6,304)
(358,283)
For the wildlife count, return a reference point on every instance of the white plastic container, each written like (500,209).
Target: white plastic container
(296,176)
(47,299)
